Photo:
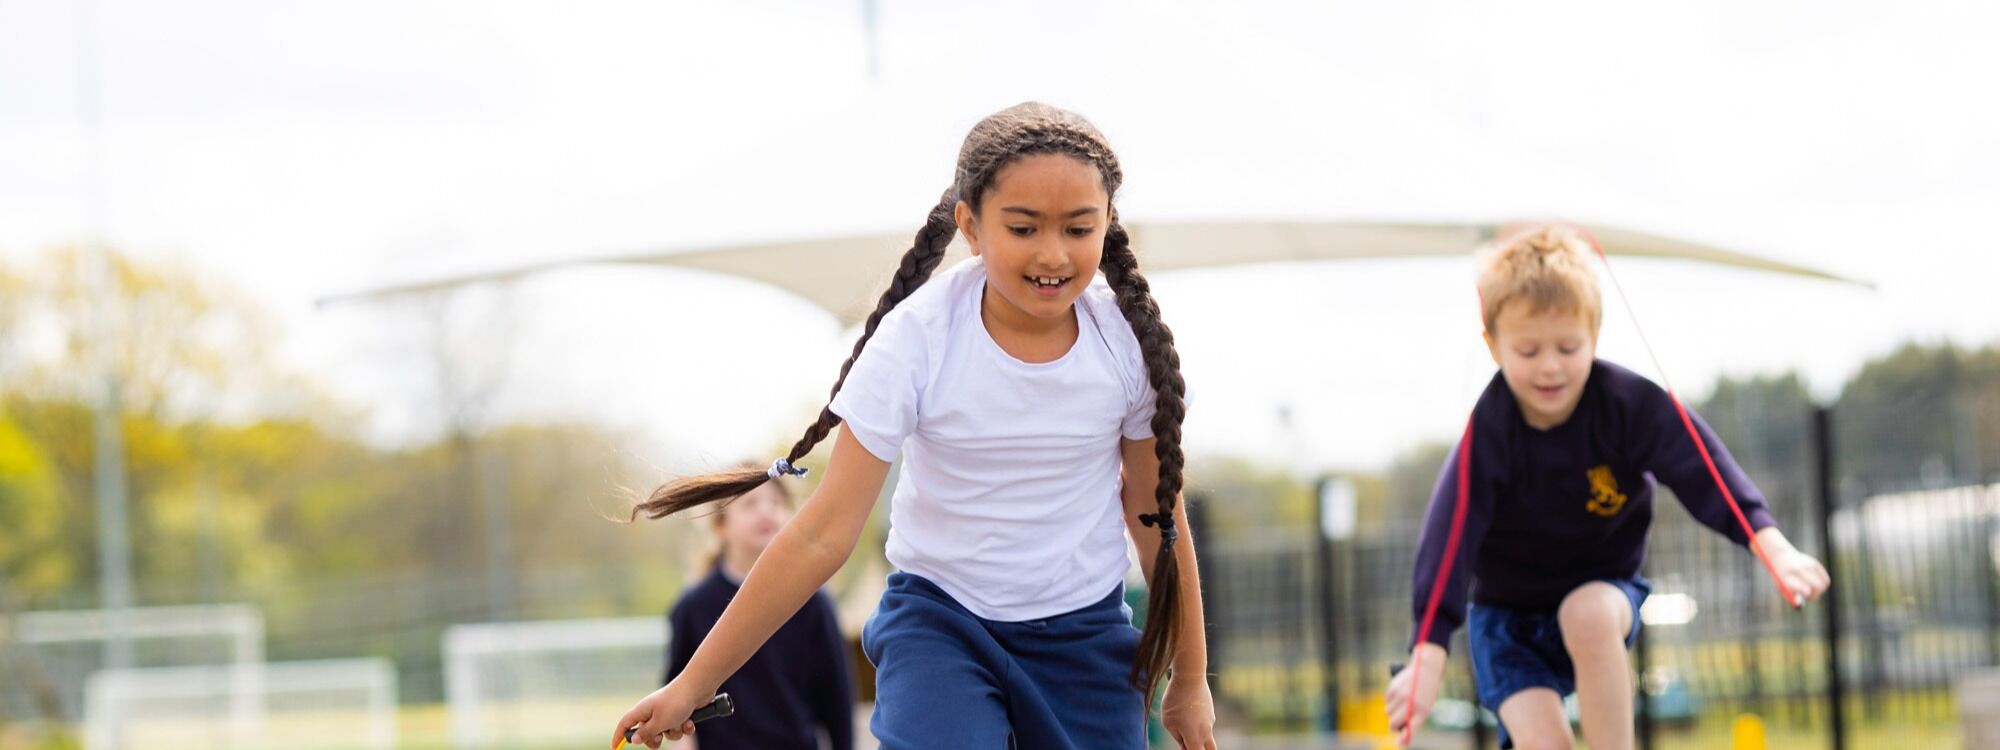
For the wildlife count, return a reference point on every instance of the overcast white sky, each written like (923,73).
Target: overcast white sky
(298,149)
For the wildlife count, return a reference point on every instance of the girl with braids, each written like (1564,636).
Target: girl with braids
(1038,413)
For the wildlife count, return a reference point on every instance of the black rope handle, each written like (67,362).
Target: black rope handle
(717,707)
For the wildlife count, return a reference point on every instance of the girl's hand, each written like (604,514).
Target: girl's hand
(663,714)
(1427,661)
(1188,712)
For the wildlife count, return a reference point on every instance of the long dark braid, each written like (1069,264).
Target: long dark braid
(1163,371)
(918,262)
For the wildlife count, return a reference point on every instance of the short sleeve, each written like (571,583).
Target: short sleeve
(878,401)
(1138,424)
(1141,401)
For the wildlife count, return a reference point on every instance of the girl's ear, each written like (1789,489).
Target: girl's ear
(1492,346)
(962,213)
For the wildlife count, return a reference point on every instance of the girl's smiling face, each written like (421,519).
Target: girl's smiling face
(1040,228)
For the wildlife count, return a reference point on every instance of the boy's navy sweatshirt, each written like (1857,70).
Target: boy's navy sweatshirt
(1551,510)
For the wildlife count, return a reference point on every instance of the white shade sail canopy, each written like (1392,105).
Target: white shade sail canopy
(843,275)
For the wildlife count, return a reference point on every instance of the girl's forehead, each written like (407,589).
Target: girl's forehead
(1046,172)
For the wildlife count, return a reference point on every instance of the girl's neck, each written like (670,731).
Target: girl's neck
(1023,336)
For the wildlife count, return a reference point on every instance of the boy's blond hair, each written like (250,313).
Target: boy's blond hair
(1547,267)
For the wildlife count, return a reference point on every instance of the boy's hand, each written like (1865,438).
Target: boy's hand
(1801,572)
(1428,660)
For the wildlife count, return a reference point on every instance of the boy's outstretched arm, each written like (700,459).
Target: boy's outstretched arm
(1428,650)
(1679,464)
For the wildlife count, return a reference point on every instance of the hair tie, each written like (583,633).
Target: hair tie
(782,467)
(1165,520)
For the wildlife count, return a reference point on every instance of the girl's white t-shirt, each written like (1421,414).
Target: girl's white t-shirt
(1009,493)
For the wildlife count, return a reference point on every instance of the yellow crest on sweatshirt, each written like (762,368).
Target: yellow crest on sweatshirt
(1605,499)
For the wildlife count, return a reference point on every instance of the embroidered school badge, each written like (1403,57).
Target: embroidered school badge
(1605,499)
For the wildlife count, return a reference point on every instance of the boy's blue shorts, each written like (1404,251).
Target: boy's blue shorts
(1514,650)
